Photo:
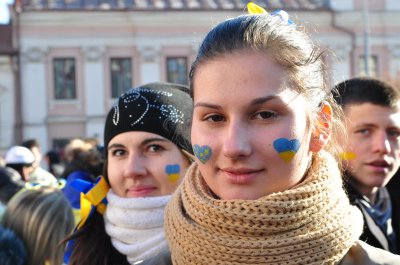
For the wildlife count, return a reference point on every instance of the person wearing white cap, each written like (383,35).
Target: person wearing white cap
(21,159)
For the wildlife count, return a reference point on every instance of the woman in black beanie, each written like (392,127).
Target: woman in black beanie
(147,151)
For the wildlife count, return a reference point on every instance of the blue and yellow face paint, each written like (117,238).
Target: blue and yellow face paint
(203,153)
(286,148)
(173,172)
(347,155)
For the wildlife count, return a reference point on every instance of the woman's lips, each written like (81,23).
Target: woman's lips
(240,175)
(141,191)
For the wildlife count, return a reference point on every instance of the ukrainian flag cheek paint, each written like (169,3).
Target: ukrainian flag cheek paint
(203,153)
(173,172)
(348,156)
(286,148)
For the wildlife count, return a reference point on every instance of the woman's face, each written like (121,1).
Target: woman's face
(142,164)
(249,130)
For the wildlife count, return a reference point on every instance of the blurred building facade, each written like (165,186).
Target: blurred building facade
(64,62)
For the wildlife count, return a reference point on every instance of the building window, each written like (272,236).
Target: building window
(177,70)
(121,75)
(64,78)
(372,66)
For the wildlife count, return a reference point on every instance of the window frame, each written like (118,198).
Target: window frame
(177,72)
(54,70)
(130,71)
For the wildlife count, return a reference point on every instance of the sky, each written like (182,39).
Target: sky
(4,14)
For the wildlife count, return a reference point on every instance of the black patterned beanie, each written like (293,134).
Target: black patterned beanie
(160,108)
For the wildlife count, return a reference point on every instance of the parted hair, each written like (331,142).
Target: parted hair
(289,46)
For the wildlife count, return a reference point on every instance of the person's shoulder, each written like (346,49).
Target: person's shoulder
(8,174)
(42,175)
(363,254)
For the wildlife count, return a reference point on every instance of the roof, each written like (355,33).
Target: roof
(171,5)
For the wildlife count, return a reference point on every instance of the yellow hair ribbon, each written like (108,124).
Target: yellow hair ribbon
(255,9)
(93,199)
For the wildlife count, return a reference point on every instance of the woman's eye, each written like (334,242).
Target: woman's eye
(118,152)
(154,148)
(265,115)
(214,118)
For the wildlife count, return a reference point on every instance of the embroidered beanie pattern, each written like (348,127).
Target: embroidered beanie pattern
(164,109)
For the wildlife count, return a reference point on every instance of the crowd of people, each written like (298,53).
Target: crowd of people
(258,161)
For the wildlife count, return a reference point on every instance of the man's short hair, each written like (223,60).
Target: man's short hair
(366,90)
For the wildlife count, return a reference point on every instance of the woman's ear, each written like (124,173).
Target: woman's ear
(321,134)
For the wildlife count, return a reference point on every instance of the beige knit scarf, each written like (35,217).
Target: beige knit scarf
(311,223)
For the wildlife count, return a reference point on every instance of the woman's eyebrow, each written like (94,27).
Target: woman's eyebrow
(116,145)
(256,101)
(154,139)
(262,100)
(207,105)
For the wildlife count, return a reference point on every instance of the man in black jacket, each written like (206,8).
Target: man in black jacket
(371,156)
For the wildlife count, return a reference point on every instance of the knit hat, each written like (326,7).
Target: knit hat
(19,155)
(160,108)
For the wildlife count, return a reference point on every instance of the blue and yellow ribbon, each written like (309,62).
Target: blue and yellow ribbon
(255,9)
(93,197)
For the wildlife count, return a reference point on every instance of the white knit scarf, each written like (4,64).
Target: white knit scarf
(136,225)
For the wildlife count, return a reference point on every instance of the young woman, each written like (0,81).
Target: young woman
(41,217)
(265,187)
(146,140)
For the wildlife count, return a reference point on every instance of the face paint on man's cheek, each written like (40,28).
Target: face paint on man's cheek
(173,172)
(286,148)
(203,153)
(348,155)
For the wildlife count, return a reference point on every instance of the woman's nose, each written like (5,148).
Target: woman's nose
(236,140)
(135,166)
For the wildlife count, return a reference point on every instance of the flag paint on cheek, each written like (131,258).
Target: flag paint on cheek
(347,155)
(203,153)
(286,148)
(173,172)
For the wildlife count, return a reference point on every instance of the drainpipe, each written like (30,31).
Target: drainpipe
(18,126)
(352,36)
(366,37)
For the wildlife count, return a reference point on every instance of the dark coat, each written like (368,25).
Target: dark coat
(367,235)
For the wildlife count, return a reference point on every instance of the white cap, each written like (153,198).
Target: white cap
(19,155)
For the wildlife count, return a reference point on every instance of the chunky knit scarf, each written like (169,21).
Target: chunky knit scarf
(311,223)
(135,225)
